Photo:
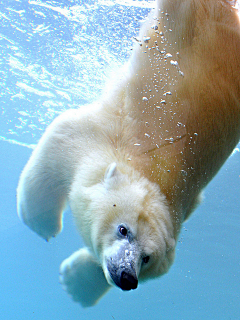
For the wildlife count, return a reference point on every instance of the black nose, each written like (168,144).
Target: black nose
(128,281)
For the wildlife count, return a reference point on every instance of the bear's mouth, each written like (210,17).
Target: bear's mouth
(123,277)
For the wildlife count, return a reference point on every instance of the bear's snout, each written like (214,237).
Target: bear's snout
(122,266)
(124,278)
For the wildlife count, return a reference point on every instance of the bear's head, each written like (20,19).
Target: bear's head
(126,223)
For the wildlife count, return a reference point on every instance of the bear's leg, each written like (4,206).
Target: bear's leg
(83,278)
(45,181)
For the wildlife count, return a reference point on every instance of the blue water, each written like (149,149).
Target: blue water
(57,55)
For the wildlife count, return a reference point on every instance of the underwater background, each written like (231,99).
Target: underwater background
(56,55)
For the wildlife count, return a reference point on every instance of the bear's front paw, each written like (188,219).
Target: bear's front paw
(83,278)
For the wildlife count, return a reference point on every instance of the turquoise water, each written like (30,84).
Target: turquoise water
(56,56)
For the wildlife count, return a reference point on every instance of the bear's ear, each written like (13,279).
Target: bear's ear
(110,173)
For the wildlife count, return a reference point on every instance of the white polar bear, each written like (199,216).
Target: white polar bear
(132,166)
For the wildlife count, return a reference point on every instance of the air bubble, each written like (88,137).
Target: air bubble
(168,55)
(167,93)
(146,39)
(174,63)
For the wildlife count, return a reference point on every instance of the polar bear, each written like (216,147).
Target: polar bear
(132,165)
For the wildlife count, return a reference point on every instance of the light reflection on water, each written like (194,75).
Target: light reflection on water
(56,56)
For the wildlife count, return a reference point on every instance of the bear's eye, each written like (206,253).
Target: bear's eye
(146,259)
(123,231)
